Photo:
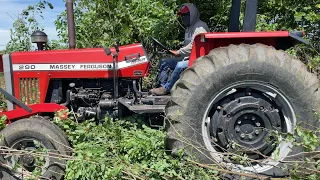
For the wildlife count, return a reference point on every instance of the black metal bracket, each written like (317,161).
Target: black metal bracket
(134,84)
(234,16)
(15,100)
(297,35)
(250,16)
(115,71)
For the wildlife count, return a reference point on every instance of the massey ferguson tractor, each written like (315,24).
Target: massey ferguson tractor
(240,89)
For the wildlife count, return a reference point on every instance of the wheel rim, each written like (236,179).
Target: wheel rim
(241,117)
(28,161)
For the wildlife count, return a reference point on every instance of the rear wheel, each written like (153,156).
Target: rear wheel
(33,135)
(235,100)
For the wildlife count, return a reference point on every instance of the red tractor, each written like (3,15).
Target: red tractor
(239,87)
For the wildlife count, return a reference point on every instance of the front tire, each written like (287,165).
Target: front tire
(30,135)
(234,98)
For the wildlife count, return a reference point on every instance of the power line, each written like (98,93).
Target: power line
(10,16)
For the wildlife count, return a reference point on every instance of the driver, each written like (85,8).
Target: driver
(191,19)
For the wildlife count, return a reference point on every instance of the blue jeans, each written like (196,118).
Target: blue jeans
(175,64)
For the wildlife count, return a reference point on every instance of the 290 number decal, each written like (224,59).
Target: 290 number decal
(27,67)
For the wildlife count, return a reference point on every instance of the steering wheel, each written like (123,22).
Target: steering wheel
(161,45)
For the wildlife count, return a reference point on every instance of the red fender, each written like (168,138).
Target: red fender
(20,113)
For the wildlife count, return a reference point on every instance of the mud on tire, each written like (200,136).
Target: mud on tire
(24,135)
(234,98)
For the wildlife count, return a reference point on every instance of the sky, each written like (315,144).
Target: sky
(9,10)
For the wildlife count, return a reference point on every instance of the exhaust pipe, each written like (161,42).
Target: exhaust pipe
(71,26)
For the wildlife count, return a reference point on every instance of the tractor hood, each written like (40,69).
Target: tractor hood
(132,61)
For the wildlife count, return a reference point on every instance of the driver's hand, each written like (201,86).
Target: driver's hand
(174,52)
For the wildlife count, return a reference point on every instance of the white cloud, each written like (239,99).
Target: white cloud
(4,38)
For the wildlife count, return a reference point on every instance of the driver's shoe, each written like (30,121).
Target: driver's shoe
(158,91)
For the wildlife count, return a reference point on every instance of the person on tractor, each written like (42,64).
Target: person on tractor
(193,26)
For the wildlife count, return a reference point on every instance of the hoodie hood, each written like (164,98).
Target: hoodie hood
(195,27)
(194,13)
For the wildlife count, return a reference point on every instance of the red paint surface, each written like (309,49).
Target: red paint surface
(233,35)
(97,55)
(20,113)
(221,39)
(92,55)
(88,55)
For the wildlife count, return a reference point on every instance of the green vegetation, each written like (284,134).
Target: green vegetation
(25,26)
(123,21)
(101,23)
(130,149)
(115,150)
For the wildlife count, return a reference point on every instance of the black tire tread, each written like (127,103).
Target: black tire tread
(197,77)
(54,134)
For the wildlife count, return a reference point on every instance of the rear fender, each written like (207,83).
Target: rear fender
(204,43)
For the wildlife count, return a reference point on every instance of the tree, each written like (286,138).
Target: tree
(24,26)
(100,23)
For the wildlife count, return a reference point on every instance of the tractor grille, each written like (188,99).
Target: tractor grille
(29,90)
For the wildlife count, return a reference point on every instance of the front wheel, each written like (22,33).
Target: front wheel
(41,146)
(236,101)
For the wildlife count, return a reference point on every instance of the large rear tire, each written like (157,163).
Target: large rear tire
(29,135)
(234,98)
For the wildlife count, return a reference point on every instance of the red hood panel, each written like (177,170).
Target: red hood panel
(132,61)
(89,55)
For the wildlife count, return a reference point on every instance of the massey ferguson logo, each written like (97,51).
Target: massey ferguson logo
(138,60)
(80,66)
(62,66)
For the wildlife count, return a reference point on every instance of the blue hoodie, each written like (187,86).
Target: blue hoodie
(196,27)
